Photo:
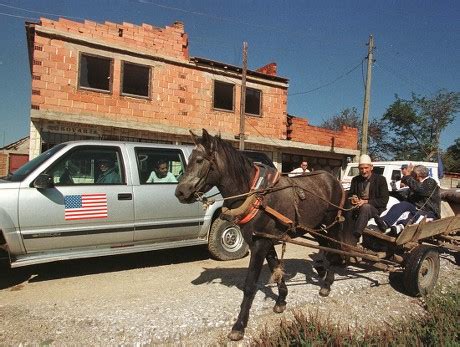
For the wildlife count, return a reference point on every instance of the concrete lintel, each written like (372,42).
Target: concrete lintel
(167,129)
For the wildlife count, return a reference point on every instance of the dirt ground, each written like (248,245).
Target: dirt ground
(182,297)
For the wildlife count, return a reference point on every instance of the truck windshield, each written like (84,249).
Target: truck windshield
(21,173)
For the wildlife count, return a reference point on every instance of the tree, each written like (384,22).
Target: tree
(416,124)
(451,157)
(349,117)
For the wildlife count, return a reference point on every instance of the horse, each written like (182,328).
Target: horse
(311,201)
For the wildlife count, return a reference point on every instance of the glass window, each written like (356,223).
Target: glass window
(158,165)
(223,95)
(252,105)
(378,170)
(135,80)
(88,165)
(95,72)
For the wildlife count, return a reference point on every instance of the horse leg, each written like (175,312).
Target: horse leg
(328,275)
(259,251)
(273,264)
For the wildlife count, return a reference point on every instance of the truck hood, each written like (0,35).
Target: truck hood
(9,185)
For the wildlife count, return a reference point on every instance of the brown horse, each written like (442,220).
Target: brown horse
(310,201)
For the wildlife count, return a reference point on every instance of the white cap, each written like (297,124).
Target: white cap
(365,159)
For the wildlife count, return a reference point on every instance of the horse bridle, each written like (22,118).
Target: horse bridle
(210,159)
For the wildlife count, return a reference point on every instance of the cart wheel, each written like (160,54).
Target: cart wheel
(421,270)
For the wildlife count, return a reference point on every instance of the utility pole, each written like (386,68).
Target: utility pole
(243,94)
(367,94)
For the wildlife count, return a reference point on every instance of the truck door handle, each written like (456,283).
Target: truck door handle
(125,196)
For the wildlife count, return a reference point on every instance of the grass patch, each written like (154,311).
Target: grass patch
(438,327)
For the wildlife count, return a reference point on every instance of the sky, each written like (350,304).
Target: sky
(320,46)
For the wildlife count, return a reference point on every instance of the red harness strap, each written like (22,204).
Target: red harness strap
(258,182)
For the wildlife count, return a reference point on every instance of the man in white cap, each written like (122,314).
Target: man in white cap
(369,193)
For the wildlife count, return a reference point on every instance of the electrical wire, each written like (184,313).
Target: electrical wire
(329,83)
(38,12)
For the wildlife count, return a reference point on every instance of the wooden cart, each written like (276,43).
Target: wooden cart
(415,251)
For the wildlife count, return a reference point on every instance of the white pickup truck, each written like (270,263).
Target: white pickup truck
(391,170)
(66,204)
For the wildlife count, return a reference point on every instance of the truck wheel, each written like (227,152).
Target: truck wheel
(421,270)
(226,241)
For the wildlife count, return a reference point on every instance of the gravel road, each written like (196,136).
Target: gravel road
(182,297)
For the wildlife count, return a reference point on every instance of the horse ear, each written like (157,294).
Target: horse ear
(194,137)
(207,141)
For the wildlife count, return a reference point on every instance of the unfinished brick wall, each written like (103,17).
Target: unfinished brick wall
(168,41)
(3,164)
(181,94)
(303,132)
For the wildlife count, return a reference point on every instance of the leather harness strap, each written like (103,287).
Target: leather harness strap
(266,177)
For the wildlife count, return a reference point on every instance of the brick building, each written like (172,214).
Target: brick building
(138,83)
(13,155)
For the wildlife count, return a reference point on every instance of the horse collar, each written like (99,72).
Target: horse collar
(264,177)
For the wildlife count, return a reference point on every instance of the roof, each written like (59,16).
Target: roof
(15,145)
(236,69)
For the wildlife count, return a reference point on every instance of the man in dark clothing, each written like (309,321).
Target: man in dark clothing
(424,200)
(369,192)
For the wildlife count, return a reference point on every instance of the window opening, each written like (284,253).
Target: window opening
(135,80)
(95,72)
(223,95)
(252,105)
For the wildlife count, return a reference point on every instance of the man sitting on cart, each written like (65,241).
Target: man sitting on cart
(368,193)
(424,199)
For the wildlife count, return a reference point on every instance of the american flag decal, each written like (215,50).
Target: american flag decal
(85,206)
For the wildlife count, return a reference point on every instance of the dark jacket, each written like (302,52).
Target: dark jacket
(424,195)
(378,190)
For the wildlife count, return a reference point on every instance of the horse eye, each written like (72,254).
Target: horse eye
(199,159)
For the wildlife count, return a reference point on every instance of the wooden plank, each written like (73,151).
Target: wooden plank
(379,235)
(417,232)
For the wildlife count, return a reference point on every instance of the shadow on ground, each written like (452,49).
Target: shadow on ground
(82,267)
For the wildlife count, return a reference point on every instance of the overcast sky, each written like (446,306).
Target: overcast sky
(318,45)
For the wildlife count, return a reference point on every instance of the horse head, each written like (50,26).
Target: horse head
(202,172)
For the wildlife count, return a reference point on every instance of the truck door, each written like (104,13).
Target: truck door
(90,204)
(159,215)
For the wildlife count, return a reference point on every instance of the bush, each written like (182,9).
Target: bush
(439,327)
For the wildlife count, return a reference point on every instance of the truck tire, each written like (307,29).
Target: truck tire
(226,241)
(421,270)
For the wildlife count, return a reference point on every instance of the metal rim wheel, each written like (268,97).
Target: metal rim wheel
(421,270)
(226,241)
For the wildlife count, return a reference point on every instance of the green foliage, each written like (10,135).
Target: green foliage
(451,157)
(439,327)
(416,124)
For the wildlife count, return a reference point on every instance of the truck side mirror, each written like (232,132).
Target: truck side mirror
(43,181)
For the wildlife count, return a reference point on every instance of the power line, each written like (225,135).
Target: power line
(329,83)
(220,18)
(38,12)
(403,78)
(15,16)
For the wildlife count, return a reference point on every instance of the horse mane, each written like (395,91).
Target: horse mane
(237,164)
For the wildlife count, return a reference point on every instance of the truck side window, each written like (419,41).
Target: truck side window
(88,165)
(159,166)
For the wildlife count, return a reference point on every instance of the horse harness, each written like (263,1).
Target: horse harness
(264,180)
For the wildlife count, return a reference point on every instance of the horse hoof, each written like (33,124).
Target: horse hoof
(324,291)
(236,335)
(279,308)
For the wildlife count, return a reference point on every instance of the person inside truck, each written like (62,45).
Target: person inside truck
(301,170)
(424,200)
(108,175)
(160,173)
(368,194)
